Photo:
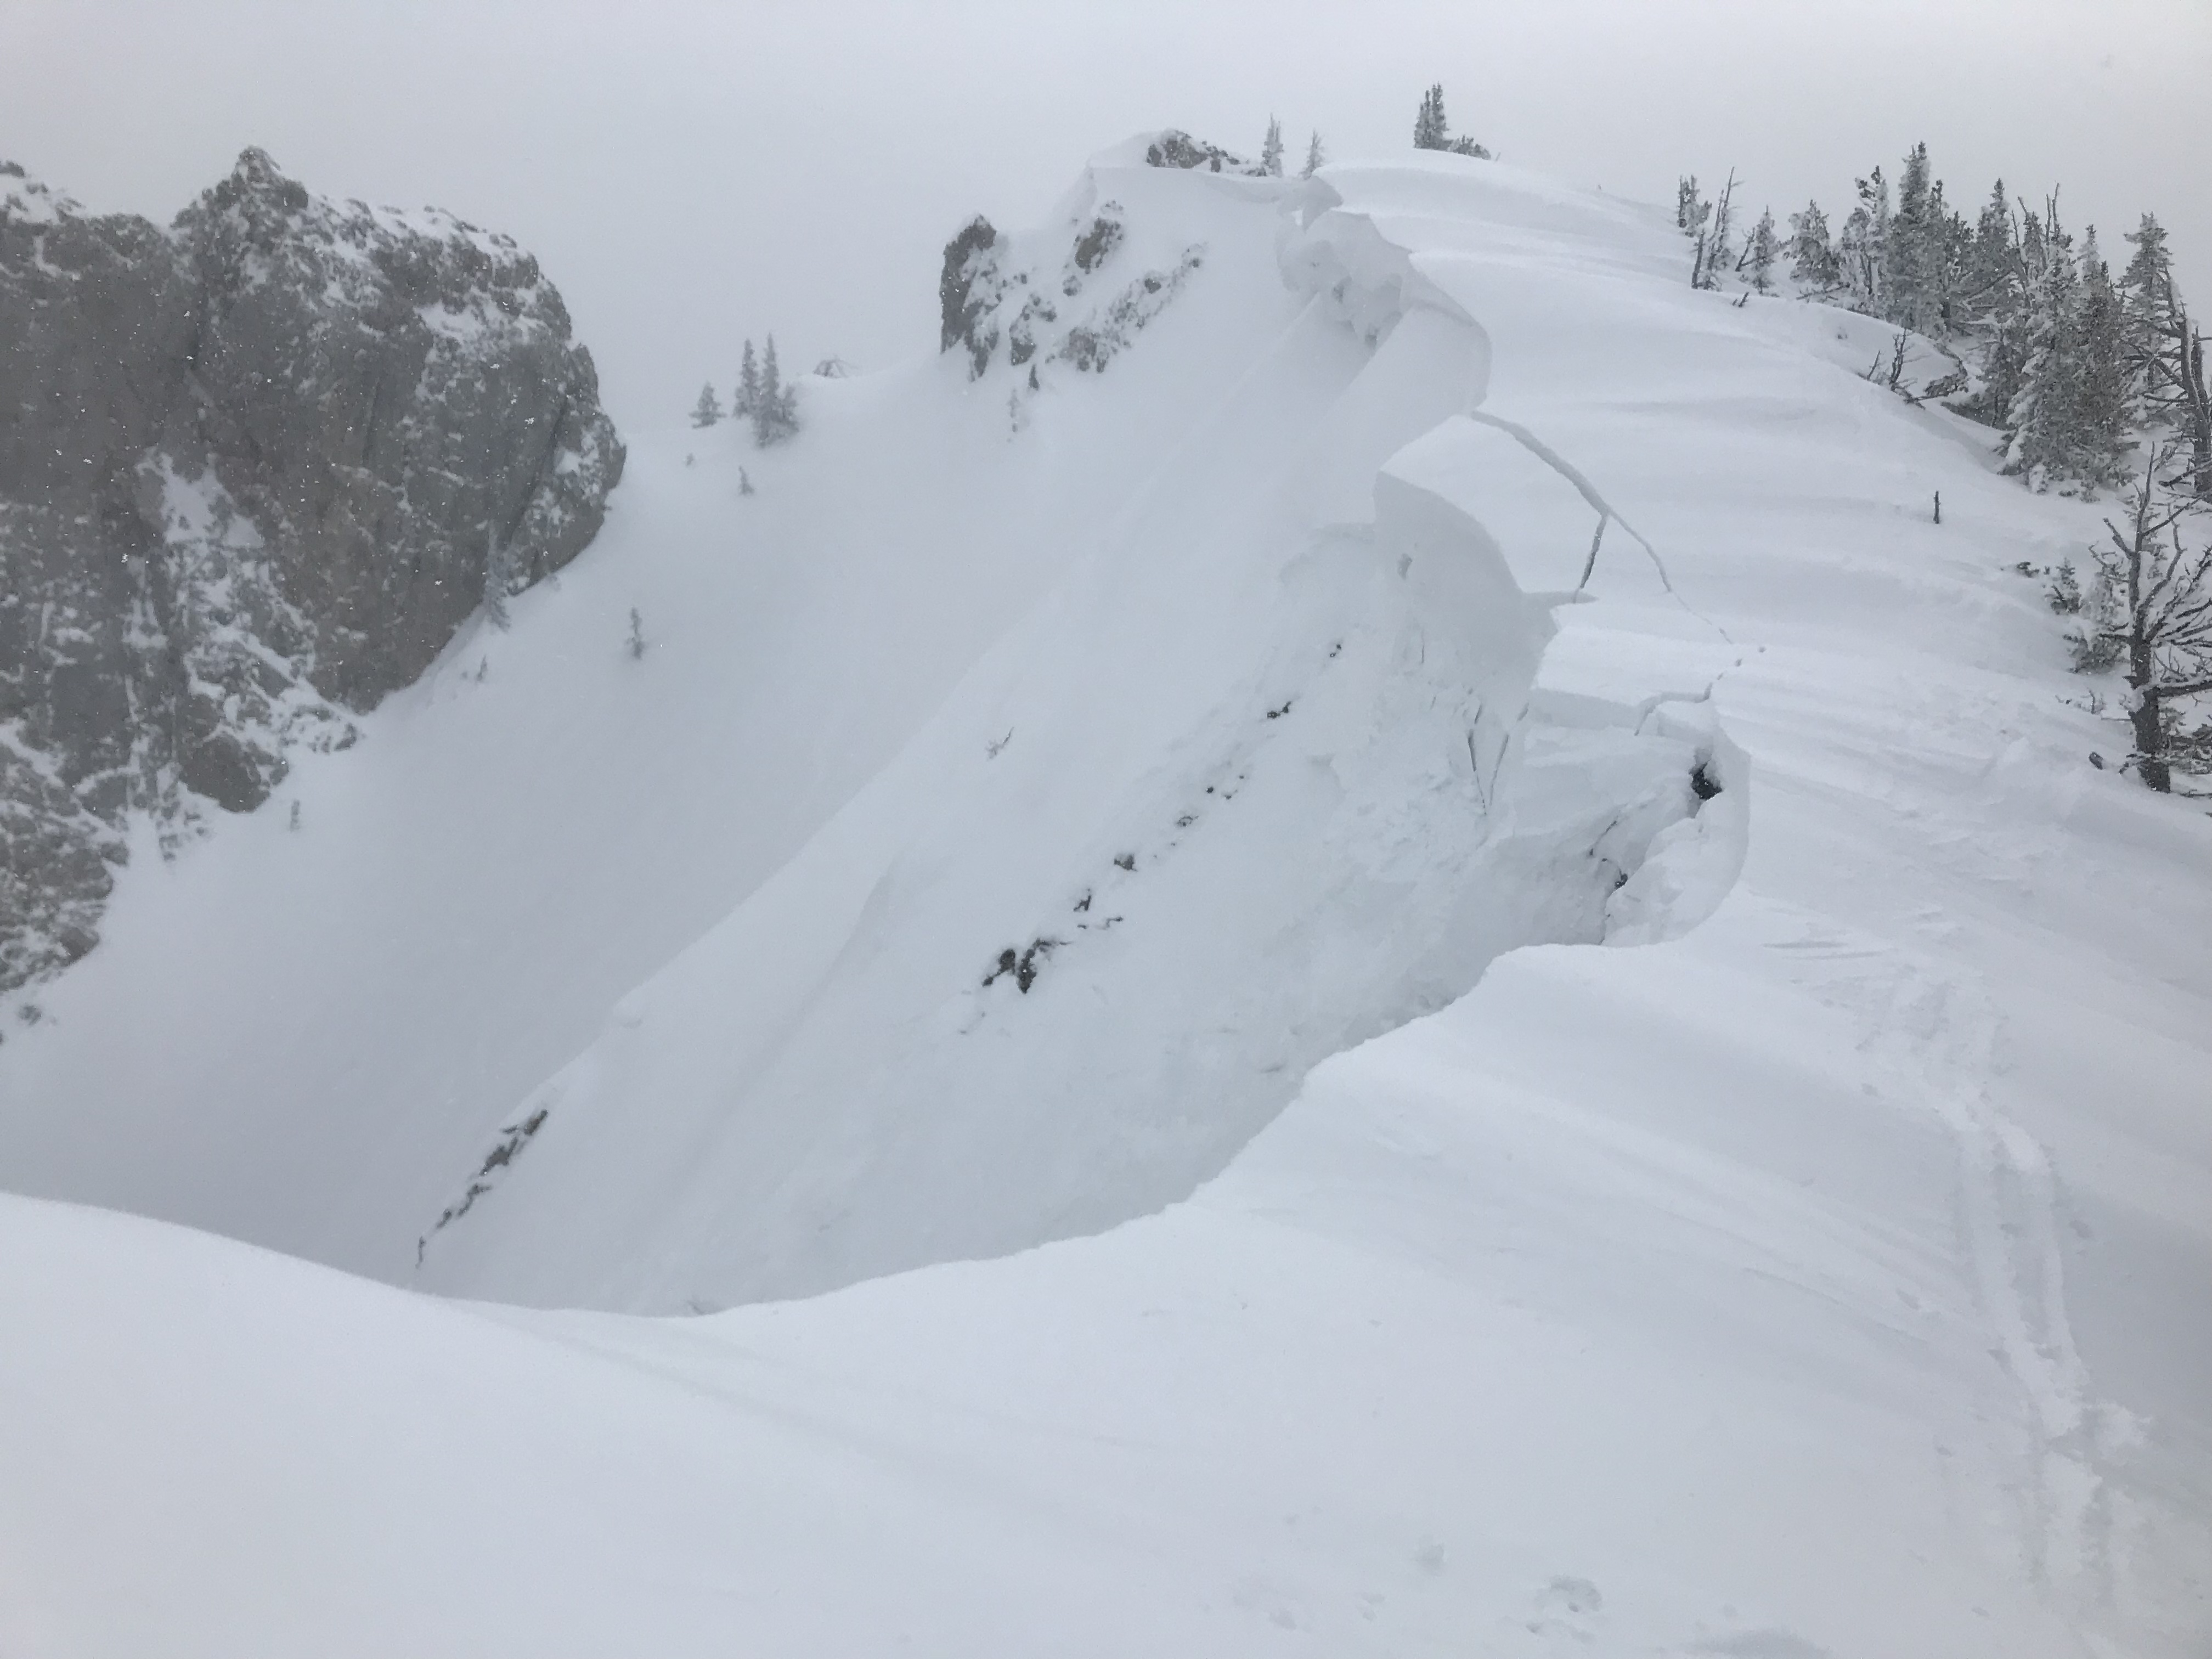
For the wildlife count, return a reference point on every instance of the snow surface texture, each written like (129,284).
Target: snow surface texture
(1828,1277)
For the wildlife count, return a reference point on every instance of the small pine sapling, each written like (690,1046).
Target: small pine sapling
(1271,149)
(636,642)
(1316,157)
(707,411)
(2063,591)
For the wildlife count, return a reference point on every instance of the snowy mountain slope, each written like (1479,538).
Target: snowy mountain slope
(544,821)
(1828,1278)
(1270,802)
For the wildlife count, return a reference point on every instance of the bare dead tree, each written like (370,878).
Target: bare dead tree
(2173,368)
(2186,373)
(2152,611)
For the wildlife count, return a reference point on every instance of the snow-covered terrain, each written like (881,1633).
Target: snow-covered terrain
(1399,1080)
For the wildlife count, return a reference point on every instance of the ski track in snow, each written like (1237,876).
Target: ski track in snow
(1936,1029)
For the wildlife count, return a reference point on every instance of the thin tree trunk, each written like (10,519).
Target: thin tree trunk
(2150,736)
(2194,392)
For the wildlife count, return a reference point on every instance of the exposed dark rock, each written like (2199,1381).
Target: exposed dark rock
(969,264)
(987,296)
(1177,148)
(1091,345)
(1092,247)
(252,470)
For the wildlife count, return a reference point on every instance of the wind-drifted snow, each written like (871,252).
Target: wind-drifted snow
(1005,997)
(1806,1256)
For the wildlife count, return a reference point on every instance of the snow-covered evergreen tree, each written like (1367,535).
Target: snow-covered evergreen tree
(2166,350)
(1690,208)
(1693,216)
(1271,149)
(745,404)
(708,410)
(2005,350)
(1862,247)
(1430,131)
(1719,248)
(2147,285)
(1911,250)
(1761,252)
(1950,240)
(769,400)
(2104,415)
(1316,157)
(1991,280)
(1812,255)
(2044,444)
(775,405)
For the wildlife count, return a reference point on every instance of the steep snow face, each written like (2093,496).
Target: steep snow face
(1255,782)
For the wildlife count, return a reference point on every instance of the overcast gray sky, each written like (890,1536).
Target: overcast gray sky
(691,173)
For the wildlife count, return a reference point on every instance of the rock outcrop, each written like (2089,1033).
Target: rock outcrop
(255,471)
(1039,302)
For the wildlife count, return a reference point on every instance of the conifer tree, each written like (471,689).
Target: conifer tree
(768,401)
(1761,252)
(1992,271)
(1949,241)
(2166,349)
(2004,357)
(708,410)
(745,404)
(1430,129)
(1271,150)
(2105,404)
(1316,157)
(2147,281)
(775,405)
(1812,258)
(1910,250)
(1719,249)
(1693,215)
(1861,248)
(2043,416)
(1690,210)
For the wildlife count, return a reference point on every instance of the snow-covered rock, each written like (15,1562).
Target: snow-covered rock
(251,467)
